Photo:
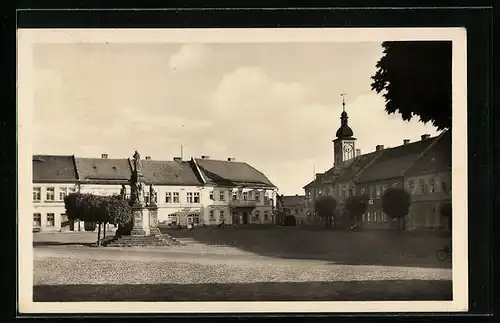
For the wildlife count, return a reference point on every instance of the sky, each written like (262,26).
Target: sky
(275,106)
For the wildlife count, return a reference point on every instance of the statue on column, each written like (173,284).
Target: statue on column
(152,195)
(137,193)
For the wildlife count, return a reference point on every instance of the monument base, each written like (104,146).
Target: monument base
(141,222)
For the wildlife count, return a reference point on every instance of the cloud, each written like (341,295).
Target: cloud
(189,56)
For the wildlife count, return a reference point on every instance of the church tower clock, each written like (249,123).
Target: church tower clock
(344,145)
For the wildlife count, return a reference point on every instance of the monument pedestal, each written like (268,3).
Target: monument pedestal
(141,221)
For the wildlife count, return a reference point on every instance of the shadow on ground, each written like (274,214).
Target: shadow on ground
(309,291)
(57,243)
(385,248)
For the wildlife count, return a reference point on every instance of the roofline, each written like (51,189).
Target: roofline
(436,140)
(193,160)
(54,181)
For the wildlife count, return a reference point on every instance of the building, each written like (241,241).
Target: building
(53,178)
(196,191)
(237,190)
(294,205)
(429,183)
(424,162)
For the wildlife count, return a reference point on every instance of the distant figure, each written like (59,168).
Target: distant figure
(123,192)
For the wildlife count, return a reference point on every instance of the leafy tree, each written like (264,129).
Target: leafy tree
(119,211)
(415,79)
(356,206)
(325,208)
(396,204)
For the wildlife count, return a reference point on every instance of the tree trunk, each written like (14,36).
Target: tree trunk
(104,230)
(99,234)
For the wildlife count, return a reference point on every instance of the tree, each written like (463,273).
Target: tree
(325,208)
(446,211)
(356,206)
(119,211)
(415,79)
(396,204)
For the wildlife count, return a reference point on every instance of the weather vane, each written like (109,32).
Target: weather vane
(343,101)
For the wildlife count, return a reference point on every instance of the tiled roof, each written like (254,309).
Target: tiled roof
(352,169)
(103,170)
(292,200)
(436,159)
(231,172)
(311,183)
(56,169)
(393,162)
(169,172)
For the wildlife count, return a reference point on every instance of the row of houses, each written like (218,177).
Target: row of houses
(422,167)
(199,191)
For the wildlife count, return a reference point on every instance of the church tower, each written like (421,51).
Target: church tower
(344,145)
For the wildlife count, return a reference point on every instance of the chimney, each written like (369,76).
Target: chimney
(406,141)
(205,157)
(379,147)
(358,152)
(231,159)
(177,159)
(104,156)
(148,157)
(426,136)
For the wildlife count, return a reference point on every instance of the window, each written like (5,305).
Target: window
(64,217)
(266,200)
(196,197)
(37,220)
(63,191)
(50,219)
(50,194)
(189,197)
(221,215)
(245,196)
(235,196)
(432,185)
(319,192)
(168,197)
(37,194)
(257,196)
(211,195)
(368,217)
(146,197)
(411,186)
(176,197)
(211,214)
(444,187)
(375,216)
(266,215)
(422,186)
(221,195)
(377,191)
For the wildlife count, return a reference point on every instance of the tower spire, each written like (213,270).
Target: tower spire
(343,101)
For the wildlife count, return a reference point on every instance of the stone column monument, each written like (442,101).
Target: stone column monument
(141,218)
(153,208)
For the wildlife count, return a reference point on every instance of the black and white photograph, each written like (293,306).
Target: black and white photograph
(184,170)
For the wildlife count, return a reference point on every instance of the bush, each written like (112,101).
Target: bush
(325,208)
(396,204)
(290,221)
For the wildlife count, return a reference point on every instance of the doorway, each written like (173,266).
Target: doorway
(245,217)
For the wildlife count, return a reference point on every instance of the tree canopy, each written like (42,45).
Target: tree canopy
(396,202)
(325,208)
(356,205)
(415,78)
(97,209)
